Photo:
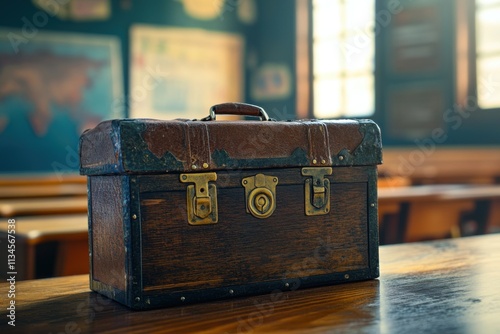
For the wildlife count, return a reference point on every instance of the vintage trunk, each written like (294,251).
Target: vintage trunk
(186,211)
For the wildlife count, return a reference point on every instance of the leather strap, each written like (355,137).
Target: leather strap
(319,144)
(198,140)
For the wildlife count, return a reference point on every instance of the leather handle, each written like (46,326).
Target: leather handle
(233,108)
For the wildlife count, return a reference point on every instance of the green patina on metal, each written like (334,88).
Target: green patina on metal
(369,152)
(136,156)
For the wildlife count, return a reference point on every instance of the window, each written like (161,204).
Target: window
(343,58)
(488,53)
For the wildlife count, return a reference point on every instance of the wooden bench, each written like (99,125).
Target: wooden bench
(34,191)
(51,223)
(42,206)
(69,235)
(417,213)
(469,165)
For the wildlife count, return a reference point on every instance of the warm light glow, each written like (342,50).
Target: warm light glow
(488,53)
(343,58)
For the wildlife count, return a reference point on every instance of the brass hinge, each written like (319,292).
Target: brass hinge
(317,190)
(201,198)
(260,194)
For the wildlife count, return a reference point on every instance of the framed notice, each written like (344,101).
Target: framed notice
(181,72)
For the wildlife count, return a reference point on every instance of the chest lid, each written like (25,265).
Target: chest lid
(147,146)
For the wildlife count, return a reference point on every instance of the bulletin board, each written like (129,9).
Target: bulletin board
(181,72)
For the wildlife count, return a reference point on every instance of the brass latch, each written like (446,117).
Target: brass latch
(201,198)
(260,194)
(317,190)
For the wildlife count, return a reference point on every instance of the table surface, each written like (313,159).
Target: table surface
(440,287)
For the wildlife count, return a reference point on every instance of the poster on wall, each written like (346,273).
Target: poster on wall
(181,72)
(53,86)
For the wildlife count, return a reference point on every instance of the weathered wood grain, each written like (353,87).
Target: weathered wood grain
(448,286)
(107,231)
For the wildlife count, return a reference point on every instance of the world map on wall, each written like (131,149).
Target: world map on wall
(52,88)
(44,79)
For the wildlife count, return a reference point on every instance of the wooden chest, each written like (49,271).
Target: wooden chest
(186,211)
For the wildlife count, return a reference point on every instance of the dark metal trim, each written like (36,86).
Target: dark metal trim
(373,231)
(133,237)
(166,299)
(89,214)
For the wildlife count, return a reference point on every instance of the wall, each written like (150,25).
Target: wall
(55,149)
(419,65)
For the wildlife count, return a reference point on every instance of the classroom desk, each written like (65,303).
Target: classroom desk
(43,206)
(70,232)
(415,213)
(51,190)
(446,286)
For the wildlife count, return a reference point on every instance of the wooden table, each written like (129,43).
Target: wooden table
(444,286)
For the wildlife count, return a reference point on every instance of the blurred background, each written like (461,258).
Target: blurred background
(428,72)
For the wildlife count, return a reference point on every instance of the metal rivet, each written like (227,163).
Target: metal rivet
(183,298)
(372,205)
(323,161)
(134,216)
(245,182)
(137,299)
(184,177)
(205,165)
(287,285)
(315,161)
(341,157)
(148,301)
(346,276)
(231,292)
(193,166)
(275,180)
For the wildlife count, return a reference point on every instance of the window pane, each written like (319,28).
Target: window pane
(359,15)
(488,78)
(359,53)
(359,96)
(343,62)
(488,30)
(326,20)
(487,2)
(327,98)
(327,57)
